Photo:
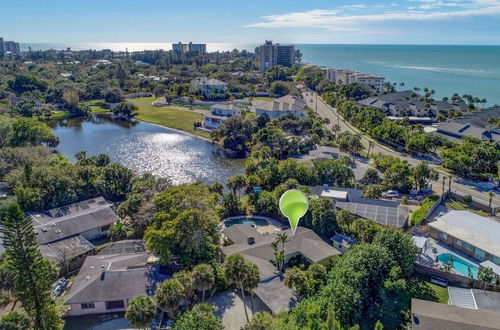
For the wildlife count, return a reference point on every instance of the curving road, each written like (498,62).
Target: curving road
(316,103)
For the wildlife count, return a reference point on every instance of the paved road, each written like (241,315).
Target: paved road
(324,110)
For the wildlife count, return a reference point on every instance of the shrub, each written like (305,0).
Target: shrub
(419,214)
(467,199)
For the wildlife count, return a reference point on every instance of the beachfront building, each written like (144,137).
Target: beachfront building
(10,47)
(257,248)
(209,88)
(275,54)
(406,104)
(340,77)
(286,105)
(470,233)
(219,113)
(106,281)
(199,49)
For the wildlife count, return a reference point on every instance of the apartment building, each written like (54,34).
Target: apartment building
(199,49)
(275,54)
(9,46)
(351,77)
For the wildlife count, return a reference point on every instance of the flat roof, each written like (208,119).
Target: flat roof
(432,315)
(479,231)
(334,194)
(275,295)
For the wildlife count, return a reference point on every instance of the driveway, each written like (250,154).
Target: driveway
(230,309)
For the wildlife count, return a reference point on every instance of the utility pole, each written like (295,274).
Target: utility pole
(316,102)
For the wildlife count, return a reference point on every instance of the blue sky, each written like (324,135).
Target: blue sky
(248,22)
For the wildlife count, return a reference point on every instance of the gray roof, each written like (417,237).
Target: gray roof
(432,315)
(113,277)
(479,231)
(56,225)
(208,81)
(275,295)
(458,130)
(66,249)
(487,300)
(285,103)
(305,242)
(478,118)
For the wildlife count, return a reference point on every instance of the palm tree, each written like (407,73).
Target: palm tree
(236,183)
(252,279)
(185,279)
(444,181)
(491,194)
(484,101)
(168,296)
(449,184)
(371,144)
(204,278)
(140,311)
(191,101)
(235,269)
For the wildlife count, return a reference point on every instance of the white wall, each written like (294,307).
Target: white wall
(100,308)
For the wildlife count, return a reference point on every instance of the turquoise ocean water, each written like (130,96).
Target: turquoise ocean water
(446,69)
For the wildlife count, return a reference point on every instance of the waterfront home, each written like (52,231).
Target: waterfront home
(428,315)
(209,88)
(107,281)
(470,233)
(286,105)
(387,213)
(219,114)
(256,247)
(455,131)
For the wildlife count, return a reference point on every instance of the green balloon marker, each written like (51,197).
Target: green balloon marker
(293,205)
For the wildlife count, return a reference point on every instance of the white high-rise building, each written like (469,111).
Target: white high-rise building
(200,49)
(351,77)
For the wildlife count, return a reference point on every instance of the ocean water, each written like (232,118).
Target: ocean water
(471,70)
(446,69)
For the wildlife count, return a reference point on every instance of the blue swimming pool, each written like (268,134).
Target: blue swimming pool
(259,222)
(459,264)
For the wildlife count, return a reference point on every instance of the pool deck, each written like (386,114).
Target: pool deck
(429,258)
(274,225)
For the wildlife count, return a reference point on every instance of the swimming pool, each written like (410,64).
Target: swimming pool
(459,264)
(259,222)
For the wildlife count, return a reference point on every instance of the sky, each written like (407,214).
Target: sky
(475,22)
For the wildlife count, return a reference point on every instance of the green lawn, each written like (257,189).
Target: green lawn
(441,293)
(419,215)
(95,107)
(261,98)
(179,119)
(456,205)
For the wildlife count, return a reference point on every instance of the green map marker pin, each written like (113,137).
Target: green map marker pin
(293,205)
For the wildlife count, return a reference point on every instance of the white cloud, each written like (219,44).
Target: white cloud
(344,19)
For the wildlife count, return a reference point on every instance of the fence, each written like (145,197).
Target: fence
(474,203)
(433,208)
(455,279)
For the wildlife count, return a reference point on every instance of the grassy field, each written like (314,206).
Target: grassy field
(179,119)
(441,293)
(95,107)
(456,205)
(260,98)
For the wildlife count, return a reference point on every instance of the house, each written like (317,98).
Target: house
(209,88)
(107,281)
(286,105)
(63,233)
(342,242)
(428,315)
(474,235)
(387,213)
(474,299)
(257,248)
(219,114)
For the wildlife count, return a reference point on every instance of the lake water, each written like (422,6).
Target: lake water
(146,148)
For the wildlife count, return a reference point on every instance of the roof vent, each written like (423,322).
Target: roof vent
(57,231)
(44,229)
(251,240)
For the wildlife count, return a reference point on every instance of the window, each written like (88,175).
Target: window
(115,304)
(443,236)
(89,305)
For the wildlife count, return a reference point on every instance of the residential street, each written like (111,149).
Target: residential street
(326,111)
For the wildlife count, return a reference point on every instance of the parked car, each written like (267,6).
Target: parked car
(390,194)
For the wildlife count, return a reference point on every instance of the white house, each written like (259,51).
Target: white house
(219,114)
(208,87)
(286,105)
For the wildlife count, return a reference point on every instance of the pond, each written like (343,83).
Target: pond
(146,148)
